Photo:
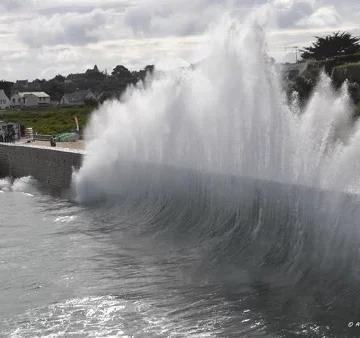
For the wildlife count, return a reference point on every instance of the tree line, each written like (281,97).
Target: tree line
(100,82)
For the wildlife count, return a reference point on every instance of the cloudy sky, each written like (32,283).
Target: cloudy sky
(41,38)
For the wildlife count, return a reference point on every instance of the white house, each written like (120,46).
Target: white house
(4,100)
(30,99)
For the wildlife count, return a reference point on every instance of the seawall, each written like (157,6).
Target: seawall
(52,167)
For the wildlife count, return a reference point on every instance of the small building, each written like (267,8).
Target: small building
(78,98)
(4,100)
(30,99)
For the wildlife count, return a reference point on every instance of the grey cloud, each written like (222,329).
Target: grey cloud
(14,4)
(70,28)
(290,12)
(85,6)
(322,17)
(177,17)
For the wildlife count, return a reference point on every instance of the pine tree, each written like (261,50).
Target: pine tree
(336,44)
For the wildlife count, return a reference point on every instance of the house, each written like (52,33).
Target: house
(109,95)
(30,99)
(78,98)
(4,100)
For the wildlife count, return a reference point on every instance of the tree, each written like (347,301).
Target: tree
(7,87)
(59,78)
(121,72)
(336,44)
(149,69)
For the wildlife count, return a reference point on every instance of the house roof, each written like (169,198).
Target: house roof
(2,94)
(78,96)
(38,94)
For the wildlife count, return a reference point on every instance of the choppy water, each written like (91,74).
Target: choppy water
(164,266)
(68,270)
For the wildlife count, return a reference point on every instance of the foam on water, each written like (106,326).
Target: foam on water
(26,185)
(105,316)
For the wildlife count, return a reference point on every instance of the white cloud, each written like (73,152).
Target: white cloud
(69,28)
(176,17)
(289,12)
(322,17)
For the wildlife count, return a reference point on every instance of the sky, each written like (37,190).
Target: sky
(42,38)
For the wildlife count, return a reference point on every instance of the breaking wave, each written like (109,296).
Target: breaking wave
(215,157)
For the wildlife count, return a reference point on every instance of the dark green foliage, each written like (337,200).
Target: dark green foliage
(121,72)
(109,86)
(354,91)
(337,44)
(150,69)
(91,102)
(54,87)
(59,78)
(94,74)
(357,111)
(6,86)
(304,87)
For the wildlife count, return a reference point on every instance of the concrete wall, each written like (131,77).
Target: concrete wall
(51,167)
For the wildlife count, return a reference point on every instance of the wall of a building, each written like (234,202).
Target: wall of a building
(51,167)
(4,100)
(31,100)
(4,103)
(16,100)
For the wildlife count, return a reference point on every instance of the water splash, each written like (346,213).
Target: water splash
(216,157)
(26,185)
(226,115)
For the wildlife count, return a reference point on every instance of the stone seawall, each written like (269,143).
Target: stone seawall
(51,167)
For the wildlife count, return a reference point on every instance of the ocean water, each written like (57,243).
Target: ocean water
(75,271)
(167,265)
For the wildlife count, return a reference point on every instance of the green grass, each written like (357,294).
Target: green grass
(348,65)
(357,109)
(49,121)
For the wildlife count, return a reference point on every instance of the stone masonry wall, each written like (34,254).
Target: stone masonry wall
(51,167)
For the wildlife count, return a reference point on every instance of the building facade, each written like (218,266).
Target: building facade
(30,99)
(4,100)
(78,98)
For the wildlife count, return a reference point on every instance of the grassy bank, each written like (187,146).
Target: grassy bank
(49,121)
(57,120)
(357,110)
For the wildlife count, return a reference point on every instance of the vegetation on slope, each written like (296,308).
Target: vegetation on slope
(50,121)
